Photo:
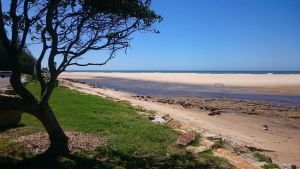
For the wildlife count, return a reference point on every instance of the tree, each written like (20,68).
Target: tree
(26,59)
(66,30)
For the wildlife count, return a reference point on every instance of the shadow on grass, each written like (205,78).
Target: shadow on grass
(113,160)
(3,129)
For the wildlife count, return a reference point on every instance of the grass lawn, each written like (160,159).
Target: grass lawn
(131,141)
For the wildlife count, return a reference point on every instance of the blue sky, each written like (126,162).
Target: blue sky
(215,35)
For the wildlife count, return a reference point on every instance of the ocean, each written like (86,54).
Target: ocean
(189,71)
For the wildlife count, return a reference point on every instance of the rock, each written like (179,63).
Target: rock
(186,105)
(253,149)
(186,138)
(10,118)
(151,118)
(158,119)
(265,127)
(210,108)
(175,124)
(212,136)
(198,149)
(292,166)
(207,143)
(168,118)
(215,113)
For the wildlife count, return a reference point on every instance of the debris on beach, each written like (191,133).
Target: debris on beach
(265,127)
(157,119)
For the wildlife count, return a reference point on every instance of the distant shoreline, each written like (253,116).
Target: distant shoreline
(233,80)
(186,71)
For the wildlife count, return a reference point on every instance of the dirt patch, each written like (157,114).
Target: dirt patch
(78,142)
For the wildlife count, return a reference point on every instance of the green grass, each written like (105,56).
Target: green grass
(197,140)
(131,141)
(270,166)
(263,158)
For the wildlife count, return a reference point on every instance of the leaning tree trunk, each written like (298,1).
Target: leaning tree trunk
(58,139)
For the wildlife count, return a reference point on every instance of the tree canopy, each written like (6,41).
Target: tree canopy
(27,61)
(66,31)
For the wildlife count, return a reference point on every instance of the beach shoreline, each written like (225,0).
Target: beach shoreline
(280,140)
(265,83)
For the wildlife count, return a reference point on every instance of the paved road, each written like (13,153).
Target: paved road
(4,82)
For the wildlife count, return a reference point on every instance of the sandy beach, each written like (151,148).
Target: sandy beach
(282,83)
(244,80)
(241,122)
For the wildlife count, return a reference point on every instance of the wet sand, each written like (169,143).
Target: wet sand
(150,88)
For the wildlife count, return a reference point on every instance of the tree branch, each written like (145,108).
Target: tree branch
(3,35)
(95,64)
(14,26)
(26,28)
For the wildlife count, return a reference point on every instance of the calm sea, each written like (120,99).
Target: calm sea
(189,71)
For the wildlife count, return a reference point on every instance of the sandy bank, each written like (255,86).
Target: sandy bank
(281,140)
(285,83)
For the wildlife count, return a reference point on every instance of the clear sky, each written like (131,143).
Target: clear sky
(216,35)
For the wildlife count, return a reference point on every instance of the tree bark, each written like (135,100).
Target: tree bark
(57,137)
(42,111)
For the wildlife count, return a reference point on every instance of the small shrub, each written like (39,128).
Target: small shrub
(262,158)
(218,144)
(270,166)
(196,142)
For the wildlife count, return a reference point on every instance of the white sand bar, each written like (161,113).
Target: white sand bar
(238,80)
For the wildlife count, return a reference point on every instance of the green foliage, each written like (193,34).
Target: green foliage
(127,9)
(262,158)
(219,143)
(26,59)
(270,166)
(197,140)
(208,157)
